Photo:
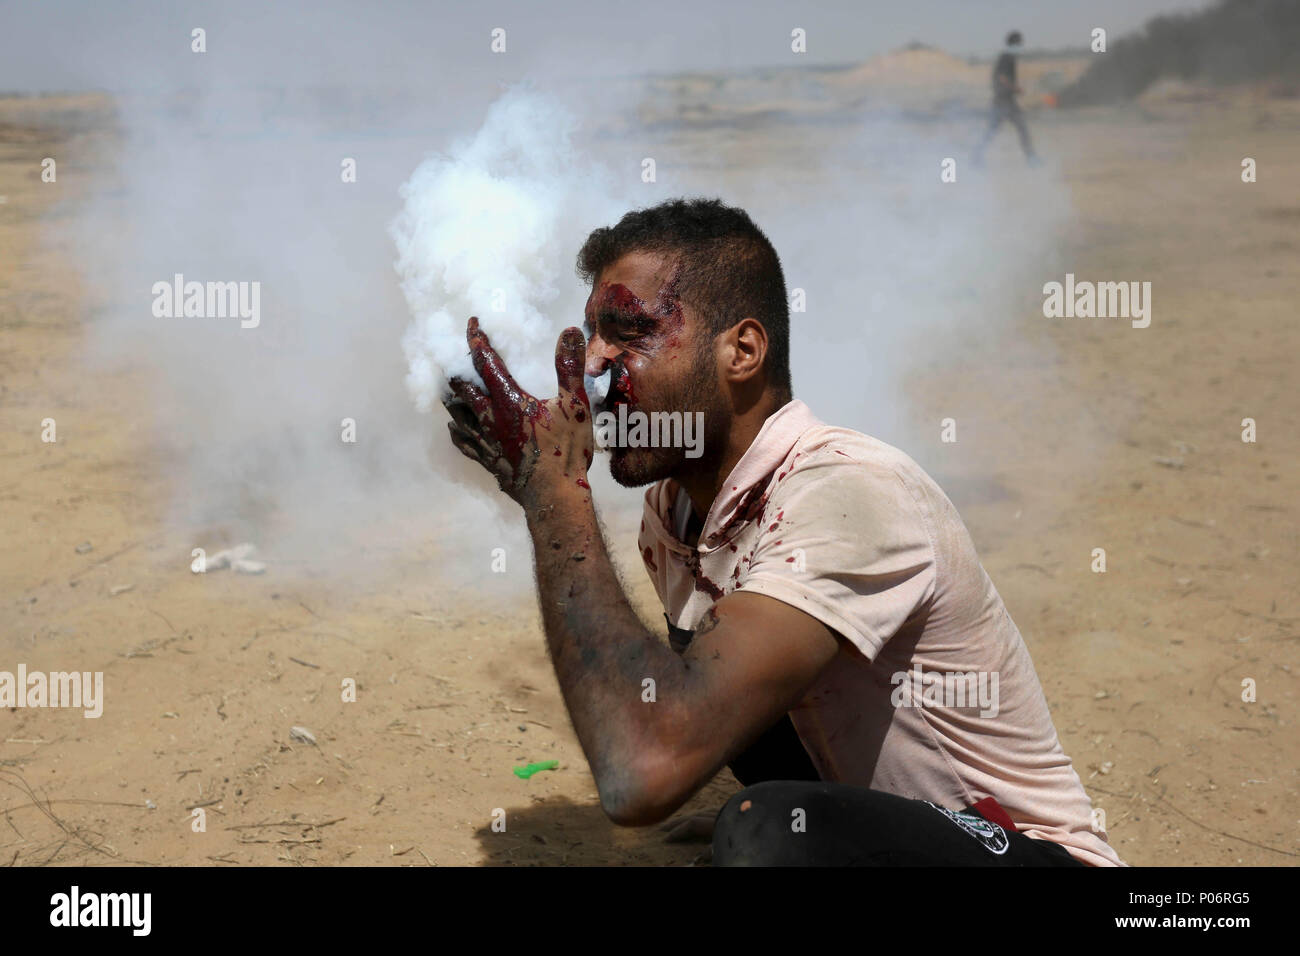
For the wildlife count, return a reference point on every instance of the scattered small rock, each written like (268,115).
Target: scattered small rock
(85,547)
(303,734)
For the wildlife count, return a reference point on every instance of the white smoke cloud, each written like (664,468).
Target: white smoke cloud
(490,228)
(227,183)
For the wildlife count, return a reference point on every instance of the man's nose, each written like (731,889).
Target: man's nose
(599,356)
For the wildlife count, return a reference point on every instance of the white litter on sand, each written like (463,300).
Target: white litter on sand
(302,734)
(237,559)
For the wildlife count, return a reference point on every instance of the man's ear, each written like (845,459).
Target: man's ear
(745,349)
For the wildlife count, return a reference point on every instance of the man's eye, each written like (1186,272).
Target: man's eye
(634,328)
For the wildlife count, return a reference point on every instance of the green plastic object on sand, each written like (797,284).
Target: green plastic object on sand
(525,772)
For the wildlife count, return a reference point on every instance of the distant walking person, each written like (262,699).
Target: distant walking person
(1005,107)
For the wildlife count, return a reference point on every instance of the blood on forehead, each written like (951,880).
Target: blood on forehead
(616,299)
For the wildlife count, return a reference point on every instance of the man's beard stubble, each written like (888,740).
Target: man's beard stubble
(636,467)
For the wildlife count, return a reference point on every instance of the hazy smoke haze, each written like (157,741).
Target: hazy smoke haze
(474,192)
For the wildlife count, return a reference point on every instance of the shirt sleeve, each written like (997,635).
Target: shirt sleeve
(846,543)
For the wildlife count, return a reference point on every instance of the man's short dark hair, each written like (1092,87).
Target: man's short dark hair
(1014,38)
(729,270)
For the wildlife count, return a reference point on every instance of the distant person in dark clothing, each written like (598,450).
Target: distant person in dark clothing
(1005,107)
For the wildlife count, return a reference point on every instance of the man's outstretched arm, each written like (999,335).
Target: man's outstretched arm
(752,658)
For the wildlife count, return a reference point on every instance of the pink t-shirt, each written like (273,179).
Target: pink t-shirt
(933,695)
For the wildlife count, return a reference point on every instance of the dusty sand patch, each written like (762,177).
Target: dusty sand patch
(1142,666)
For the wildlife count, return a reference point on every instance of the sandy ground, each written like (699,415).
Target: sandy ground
(1142,666)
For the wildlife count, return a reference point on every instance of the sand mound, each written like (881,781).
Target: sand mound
(914,66)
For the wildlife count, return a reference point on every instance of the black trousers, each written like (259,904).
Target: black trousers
(805,823)
(788,816)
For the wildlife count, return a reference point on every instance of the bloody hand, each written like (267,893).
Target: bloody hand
(526,442)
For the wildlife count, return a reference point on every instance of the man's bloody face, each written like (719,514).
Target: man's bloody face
(660,358)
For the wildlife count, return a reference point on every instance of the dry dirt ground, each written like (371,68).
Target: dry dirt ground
(1143,665)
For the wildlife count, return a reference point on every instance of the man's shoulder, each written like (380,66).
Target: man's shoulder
(865,474)
(853,453)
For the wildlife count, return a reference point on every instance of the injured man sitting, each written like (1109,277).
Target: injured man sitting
(832,635)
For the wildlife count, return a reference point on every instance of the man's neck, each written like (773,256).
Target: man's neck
(704,485)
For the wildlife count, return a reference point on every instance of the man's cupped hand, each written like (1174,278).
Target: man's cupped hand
(534,447)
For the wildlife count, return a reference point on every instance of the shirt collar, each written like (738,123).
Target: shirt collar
(749,477)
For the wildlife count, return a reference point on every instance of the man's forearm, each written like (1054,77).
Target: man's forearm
(599,647)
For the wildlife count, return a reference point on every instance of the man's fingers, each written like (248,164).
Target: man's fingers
(469,393)
(474,445)
(490,367)
(468,405)
(463,440)
(570,357)
(460,412)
